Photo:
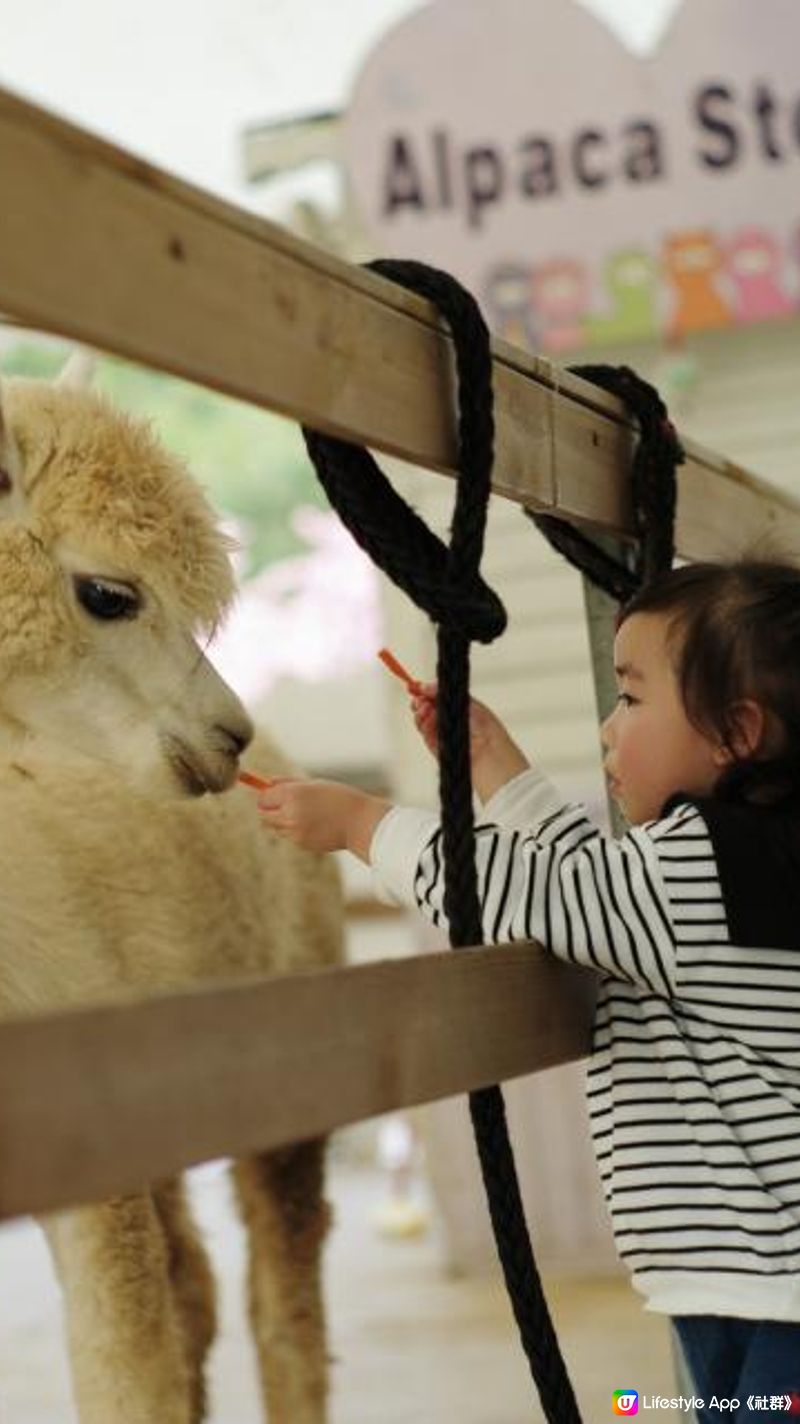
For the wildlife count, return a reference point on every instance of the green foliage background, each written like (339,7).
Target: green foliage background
(251,463)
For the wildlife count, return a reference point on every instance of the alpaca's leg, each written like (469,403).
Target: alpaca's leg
(282,1203)
(192,1284)
(126,1344)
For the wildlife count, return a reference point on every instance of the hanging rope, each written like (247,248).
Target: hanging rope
(445,581)
(653,490)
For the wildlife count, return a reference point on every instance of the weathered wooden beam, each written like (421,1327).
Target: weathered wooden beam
(102,247)
(99,1101)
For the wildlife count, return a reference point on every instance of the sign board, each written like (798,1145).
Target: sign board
(582,193)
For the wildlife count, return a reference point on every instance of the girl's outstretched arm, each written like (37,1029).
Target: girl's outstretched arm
(328,816)
(555,880)
(323,815)
(558,881)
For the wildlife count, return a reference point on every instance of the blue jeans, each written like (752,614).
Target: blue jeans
(735,1358)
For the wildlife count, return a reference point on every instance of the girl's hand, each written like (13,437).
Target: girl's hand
(495,757)
(484,727)
(322,815)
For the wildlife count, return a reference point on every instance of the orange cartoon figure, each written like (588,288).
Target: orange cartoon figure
(694,262)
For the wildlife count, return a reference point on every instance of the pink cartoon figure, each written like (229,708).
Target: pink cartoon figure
(695,268)
(560,290)
(756,268)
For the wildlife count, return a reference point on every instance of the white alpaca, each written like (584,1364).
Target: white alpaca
(118,877)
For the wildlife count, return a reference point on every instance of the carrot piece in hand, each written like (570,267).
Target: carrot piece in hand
(257,781)
(390,661)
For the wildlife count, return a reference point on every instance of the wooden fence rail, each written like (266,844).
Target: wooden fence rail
(101,1100)
(99,246)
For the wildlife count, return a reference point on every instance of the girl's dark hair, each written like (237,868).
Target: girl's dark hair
(735,635)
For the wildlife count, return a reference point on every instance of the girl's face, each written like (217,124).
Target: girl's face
(651,748)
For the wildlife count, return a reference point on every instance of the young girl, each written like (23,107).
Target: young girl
(692,922)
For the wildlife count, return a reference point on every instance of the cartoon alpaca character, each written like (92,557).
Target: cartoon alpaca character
(631,283)
(508,304)
(757,268)
(560,303)
(121,878)
(694,268)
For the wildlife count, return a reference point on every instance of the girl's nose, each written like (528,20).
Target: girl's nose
(606,731)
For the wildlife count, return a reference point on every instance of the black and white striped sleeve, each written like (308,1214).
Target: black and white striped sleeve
(588,899)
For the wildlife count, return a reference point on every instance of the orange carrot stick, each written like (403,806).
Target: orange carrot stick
(390,661)
(257,781)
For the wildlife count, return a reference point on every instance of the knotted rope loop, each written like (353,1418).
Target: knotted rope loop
(653,487)
(399,542)
(444,582)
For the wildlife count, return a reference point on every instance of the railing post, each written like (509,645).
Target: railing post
(601,621)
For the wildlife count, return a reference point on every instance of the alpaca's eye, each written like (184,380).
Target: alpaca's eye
(106,599)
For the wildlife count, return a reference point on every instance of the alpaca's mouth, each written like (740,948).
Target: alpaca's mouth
(188,775)
(184,764)
(198,776)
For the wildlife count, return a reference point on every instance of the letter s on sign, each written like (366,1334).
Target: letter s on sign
(707,105)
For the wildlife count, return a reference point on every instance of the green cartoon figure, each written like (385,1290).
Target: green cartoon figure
(631,281)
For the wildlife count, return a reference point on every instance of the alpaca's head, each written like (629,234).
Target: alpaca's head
(111,569)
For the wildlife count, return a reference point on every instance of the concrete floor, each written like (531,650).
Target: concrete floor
(412,1346)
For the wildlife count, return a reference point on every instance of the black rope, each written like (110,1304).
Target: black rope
(445,581)
(653,492)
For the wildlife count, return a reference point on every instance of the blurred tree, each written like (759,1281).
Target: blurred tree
(252,463)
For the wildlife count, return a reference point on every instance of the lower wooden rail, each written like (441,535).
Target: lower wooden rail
(99,1101)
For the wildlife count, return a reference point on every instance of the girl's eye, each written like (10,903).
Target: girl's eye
(104,599)
(626,700)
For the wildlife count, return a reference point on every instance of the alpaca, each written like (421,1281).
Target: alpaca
(121,878)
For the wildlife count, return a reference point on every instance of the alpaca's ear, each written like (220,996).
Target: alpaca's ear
(77,372)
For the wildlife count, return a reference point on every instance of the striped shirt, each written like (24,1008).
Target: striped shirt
(694,1079)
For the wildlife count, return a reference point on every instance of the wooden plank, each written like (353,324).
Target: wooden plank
(100,246)
(99,1101)
(103,247)
(723,512)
